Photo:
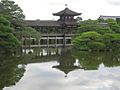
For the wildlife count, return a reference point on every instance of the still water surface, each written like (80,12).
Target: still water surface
(60,69)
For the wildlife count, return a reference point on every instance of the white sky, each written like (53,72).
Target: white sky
(90,9)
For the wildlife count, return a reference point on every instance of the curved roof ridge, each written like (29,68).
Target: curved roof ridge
(66,11)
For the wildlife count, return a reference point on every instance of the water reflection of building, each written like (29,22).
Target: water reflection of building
(68,58)
(42,51)
(10,73)
(66,62)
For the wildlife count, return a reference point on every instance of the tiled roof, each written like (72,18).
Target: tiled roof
(67,11)
(102,16)
(19,22)
(108,17)
(42,23)
(37,23)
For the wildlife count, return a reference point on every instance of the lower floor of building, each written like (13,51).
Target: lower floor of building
(48,40)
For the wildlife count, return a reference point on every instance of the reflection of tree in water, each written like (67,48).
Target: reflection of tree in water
(88,61)
(9,72)
(66,62)
(92,60)
(111,59)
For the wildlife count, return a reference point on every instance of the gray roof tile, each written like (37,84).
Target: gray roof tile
(66,11)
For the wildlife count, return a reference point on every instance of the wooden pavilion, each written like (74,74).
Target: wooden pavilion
(55,33)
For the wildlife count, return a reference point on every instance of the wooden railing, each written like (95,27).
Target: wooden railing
(57,34)
(50,45)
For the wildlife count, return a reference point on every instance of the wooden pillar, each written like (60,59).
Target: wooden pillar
(48,41)
(64,40)
(56,41)
(41,53)
(24,42)
(39,43)
(70,41)
(33,41)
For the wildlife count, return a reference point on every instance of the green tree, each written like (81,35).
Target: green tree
(27,33)
(8,40)
(89,40)
(96,46)
(91,35)
(93,25)
(113,25)
(112,41)
(10,9)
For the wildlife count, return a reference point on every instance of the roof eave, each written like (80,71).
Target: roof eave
(56,14)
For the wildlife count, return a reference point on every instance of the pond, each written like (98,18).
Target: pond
(60,69)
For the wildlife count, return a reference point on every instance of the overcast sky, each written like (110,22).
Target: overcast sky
(90,9)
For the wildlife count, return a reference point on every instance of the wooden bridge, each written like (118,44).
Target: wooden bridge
(50,40)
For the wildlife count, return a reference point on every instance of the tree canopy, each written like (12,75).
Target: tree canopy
(98,35)
(10,34)
(11,10)
(7,38)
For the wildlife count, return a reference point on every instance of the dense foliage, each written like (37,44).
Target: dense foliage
(28,33)
(96,35)
(11,34)
(7,38)
(9,9)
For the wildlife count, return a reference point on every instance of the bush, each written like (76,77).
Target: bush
(96,46)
